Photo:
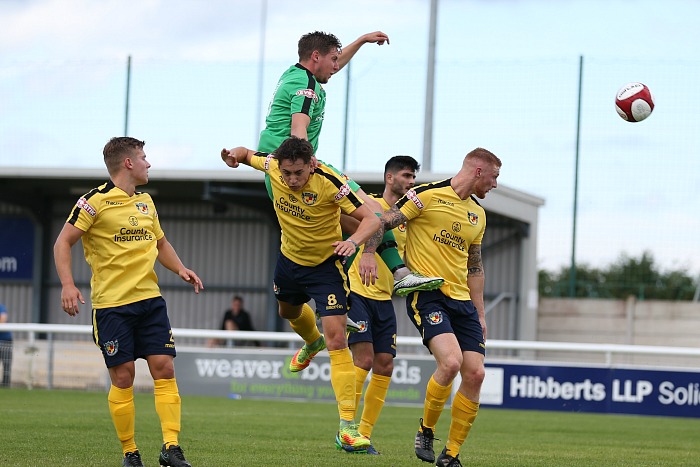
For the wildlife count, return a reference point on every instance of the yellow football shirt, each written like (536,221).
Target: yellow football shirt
(119,242)
(384,286)
(310,218)
(441,227)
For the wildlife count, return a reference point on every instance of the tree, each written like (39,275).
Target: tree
(627,276)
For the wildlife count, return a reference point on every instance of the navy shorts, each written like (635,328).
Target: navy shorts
(326,283)
(125,333)
(377,321)
(434,313)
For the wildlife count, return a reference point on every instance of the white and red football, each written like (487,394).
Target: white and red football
(634,102)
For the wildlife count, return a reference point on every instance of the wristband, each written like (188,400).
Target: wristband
(357,247)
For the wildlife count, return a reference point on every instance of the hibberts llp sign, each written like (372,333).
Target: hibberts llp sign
(586,389)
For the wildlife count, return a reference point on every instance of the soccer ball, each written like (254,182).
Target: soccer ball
(634,102)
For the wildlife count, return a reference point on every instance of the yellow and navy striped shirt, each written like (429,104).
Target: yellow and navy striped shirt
(441,227)
(310,218)
(119,242)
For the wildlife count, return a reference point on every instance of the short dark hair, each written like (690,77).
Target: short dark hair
(237,297)
(294,148)
(397,163)
(324,42)
(117,148)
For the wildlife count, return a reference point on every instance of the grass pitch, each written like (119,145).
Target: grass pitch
(42,428)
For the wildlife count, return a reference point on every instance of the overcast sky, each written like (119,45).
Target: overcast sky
(506,79)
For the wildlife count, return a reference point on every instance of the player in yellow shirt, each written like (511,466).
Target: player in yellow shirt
(445,227)
(310,263)
(374,346)
(122,239)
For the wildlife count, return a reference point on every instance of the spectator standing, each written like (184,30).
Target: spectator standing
(5,349)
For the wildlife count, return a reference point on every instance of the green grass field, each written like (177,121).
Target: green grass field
(51,428)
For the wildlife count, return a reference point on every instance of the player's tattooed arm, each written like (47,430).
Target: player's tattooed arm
(393,218)
(475,267)
(390,219)
(374,241)
(475,282)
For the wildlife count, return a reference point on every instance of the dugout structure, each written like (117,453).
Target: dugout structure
(223,226)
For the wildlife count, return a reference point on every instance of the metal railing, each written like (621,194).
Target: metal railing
(608,351)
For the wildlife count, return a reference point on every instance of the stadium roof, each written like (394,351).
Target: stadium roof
(21,184)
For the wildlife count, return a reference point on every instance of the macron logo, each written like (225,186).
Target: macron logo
(411,194)
(83,204)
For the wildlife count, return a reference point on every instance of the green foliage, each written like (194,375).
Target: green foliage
(74,428)
(639,277)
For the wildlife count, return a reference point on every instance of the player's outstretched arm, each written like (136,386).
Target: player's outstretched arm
(351,49)
(167,256)
(235,156)
(70,295)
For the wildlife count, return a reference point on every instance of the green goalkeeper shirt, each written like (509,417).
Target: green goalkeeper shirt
(297,91)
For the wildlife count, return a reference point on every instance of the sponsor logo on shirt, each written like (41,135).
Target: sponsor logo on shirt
(267,161)
(343,192)
(293,198)
(284,206)
(308,93)
(84,205)
(133,235)
(450,239)
(411,194)
(456,227)
(142,207)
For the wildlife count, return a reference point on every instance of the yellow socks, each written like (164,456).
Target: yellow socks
(374,402)
(343,382)
(123,412)
(463,414)
(360,377)
(305,325)
(435,398)
(168,405)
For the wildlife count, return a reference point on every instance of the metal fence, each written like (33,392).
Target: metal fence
(73,362)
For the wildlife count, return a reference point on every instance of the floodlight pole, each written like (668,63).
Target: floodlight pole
(128,89)
(429,91)
(345,124)
(261,70)
(572,270)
